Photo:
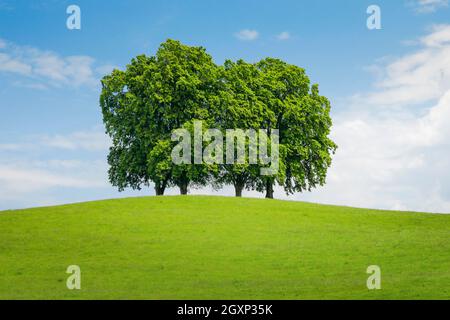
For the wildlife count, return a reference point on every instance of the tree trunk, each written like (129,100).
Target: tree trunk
(159,189)
(269,189)
(238,187)
(183,183)
(183,188)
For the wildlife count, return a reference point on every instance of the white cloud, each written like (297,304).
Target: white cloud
(26,179)
(30,85)
(22,180)
(247,35)
(416,78)
(428,6)
(394,145)
(94,140)
(9,147)
(440,36)
(59,164)
(47,67)
(9,64)
(284,36)
(87,140)
(36,183)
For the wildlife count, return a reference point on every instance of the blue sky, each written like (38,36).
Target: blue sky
(52,147)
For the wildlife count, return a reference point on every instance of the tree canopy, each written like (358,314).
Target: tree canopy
(181,87)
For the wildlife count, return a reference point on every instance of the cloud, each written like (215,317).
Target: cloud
(284,36)
(394,142)
(39,167)
(440,36)
(30,85)
(47,68)
(418,77)
(428,6)
(247,35)
(93,140)
(51,182)
(9,147)
(9,64)
(25,179)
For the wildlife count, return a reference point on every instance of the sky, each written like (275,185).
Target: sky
(389,89)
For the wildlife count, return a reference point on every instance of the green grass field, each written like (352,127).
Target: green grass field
(221,248)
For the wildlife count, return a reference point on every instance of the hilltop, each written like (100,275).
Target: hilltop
(199,247)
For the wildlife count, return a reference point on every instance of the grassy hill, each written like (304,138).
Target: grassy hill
(221,248)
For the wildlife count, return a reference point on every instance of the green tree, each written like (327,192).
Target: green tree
(142,106)
(240,108)
(153,96)
(303,119)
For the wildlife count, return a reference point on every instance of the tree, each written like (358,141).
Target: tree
(241,109)
(303,119)
(154,96)
(127,115)
(192,173)
(142,106)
